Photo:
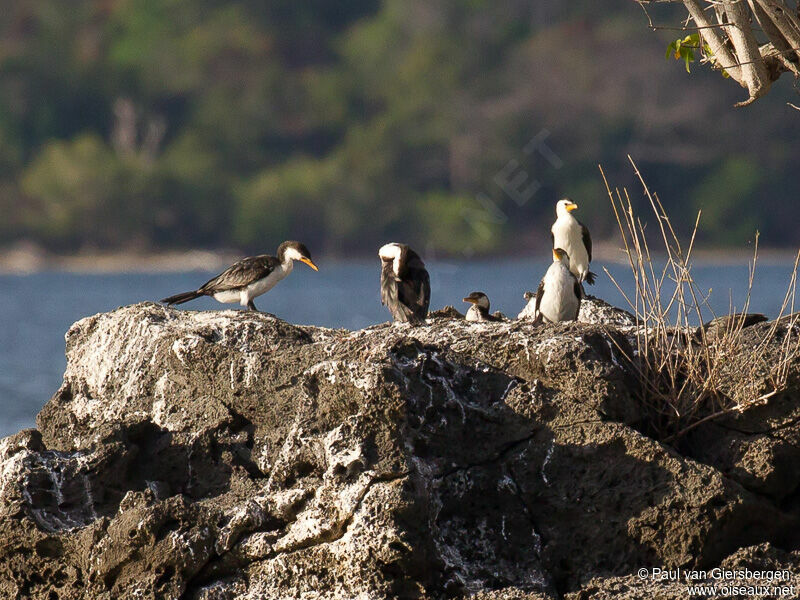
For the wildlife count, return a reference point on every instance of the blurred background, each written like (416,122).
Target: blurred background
(152,125)
(177,136)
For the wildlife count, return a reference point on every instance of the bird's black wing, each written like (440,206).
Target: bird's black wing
(587,243)
(390,295)
(388,285)
(425,294)
(242,273)
(587,240)
(579,294)
(414,292)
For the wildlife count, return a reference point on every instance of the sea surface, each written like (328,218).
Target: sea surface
(37,309)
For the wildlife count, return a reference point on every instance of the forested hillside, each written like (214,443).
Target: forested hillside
(450,124)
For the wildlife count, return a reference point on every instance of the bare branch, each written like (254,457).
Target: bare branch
(728,32)
(753,70)
(714,39)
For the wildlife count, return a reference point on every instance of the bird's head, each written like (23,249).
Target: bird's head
(560,255)
(393,253)
(564,207)
(295,251)
(479,299)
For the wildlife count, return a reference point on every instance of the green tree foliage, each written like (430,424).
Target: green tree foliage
(728,197)
(164,123)
(75,185)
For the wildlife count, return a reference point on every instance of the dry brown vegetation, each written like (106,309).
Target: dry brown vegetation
(685,368)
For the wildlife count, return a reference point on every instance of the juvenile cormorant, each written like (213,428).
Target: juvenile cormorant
(559,295)
(479,311)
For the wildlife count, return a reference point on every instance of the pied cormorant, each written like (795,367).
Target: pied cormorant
(479,311)
(559,295)
(405,284)
(571,235)
(250,277)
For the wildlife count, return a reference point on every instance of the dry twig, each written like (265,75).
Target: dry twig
(684,373)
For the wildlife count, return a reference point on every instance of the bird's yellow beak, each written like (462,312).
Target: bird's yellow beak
(556,254)
(309,263)
(571,206)
(471,300)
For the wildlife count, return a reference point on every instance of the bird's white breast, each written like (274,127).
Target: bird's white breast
(261,286)
(567,235)
(255,289)
(559,302)
(473,314)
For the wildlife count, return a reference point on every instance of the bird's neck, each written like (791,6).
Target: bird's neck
(566,217)
(287,264)
(560,266)
(479,310)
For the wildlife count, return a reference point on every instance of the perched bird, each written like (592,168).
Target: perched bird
(571,235)
(479,311)
(529,311)
(405,284)
(559,295)
(250,277)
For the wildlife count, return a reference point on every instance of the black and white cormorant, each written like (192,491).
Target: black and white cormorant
(479,311)
(405,284)
(571,235)
(250,277)
(559,295)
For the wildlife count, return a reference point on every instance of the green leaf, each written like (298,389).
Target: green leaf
(670,49)
(683,49)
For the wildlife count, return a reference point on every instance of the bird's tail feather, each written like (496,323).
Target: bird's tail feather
(590,277)
(181,298)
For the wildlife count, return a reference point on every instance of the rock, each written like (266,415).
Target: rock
(758,447)
(727,325)
(599,312)
(593,310)
(448,312)
(778,564)
(211,455)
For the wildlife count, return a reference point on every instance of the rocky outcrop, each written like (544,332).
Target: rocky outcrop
(225,455)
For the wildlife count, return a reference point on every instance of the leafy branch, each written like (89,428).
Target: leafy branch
(684,49)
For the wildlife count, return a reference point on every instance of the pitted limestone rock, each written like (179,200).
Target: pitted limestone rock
(232,455)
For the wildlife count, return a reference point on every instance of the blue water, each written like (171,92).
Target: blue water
(36,310)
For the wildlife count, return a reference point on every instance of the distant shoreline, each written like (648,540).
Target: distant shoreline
(24,260)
